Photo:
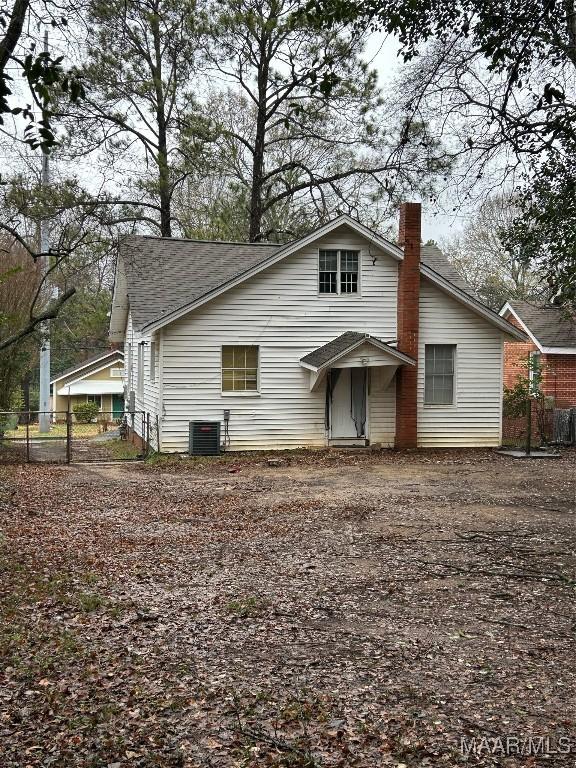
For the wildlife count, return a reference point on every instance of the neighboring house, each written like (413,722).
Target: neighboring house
(339,338)
(99,379)
(551,342)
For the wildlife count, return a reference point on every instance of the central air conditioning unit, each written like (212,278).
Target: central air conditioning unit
(204,438)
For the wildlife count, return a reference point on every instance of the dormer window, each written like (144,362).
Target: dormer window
(338,271)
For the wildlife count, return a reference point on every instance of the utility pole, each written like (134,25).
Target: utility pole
(44,408)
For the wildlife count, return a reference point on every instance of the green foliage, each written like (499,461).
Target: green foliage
(81,328)
(527,386)
(44,74)
(86,412)
(516,397)
(544,232)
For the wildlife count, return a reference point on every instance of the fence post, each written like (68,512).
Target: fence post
(157,434)
(28,437)
(68,437)
(147,434)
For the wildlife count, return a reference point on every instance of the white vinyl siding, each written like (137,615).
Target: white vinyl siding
(279,311)
(148,397)
(474,418)
(129,359)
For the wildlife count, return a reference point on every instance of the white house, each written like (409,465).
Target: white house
(339,338)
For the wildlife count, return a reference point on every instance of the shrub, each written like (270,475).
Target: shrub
(86,412)
(515,398)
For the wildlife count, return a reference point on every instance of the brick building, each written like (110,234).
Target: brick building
(552,340)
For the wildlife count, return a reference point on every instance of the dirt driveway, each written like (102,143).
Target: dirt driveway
(337,610)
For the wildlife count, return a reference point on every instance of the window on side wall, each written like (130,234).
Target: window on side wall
(152,361)
(338,271)
(439,374)
(140,372)
(240,368)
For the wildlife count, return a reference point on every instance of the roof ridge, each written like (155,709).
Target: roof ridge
(207,242)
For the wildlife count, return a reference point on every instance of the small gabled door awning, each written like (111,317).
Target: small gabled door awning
(352,349)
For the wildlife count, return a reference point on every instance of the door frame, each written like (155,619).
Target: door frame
(366,436)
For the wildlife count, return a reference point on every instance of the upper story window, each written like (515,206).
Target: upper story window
(239,368)
(116,373)
(439,374)
(338,271)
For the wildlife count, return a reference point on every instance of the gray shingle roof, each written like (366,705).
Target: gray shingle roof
(433,257)
(165,274)
(339,345)
(101,356)
(548,323)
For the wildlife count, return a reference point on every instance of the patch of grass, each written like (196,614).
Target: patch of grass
(90,601)
(247,606)
(121,449)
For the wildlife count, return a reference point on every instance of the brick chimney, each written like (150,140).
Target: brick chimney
(408,307)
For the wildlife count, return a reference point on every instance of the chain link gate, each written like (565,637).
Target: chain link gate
(107,437)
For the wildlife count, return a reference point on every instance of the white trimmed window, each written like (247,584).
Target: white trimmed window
(152,361)
(95,399)
(338,271)
(240,368)
(140,372)
(116,373)
(439,374)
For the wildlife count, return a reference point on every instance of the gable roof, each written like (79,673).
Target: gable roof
(100,358)
(347,342)
(548,325)
(165,278)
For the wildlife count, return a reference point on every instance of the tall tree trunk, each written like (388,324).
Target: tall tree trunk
(255,233)
(164,191)
(256,192)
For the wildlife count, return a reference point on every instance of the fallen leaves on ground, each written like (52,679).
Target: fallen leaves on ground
(337,610)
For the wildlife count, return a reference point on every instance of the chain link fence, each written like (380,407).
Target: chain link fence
(106,437)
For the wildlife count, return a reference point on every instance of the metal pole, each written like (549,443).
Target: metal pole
(529,426)
(28,437)
(68,437)
(44,415)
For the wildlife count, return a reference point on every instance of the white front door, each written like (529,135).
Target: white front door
(342,421)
